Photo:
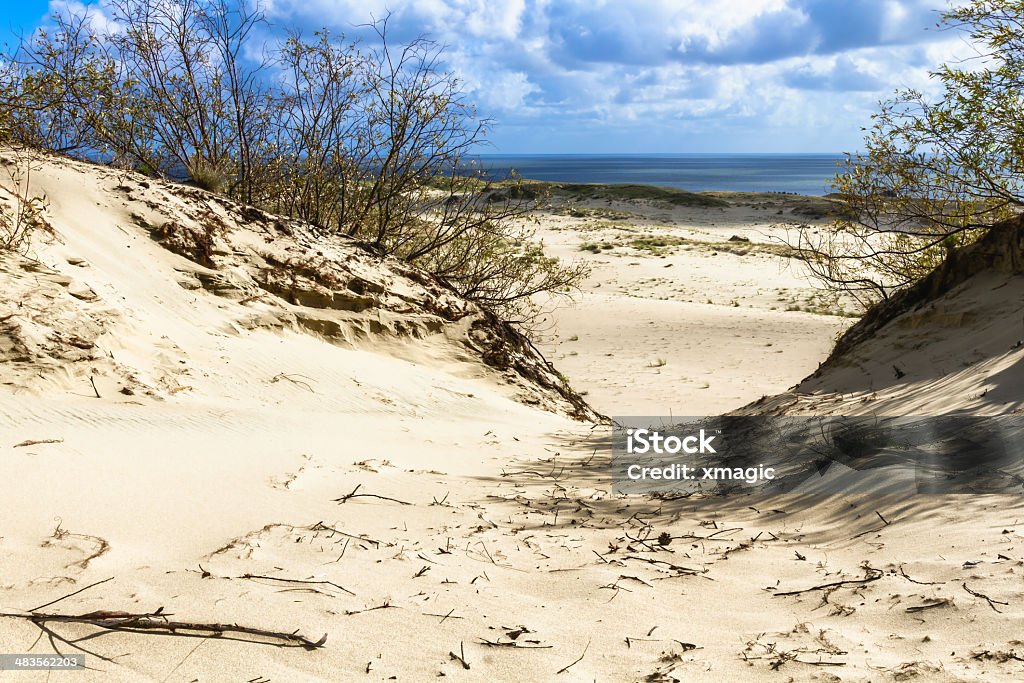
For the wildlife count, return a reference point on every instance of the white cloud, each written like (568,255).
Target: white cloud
(99,16)
(648,69)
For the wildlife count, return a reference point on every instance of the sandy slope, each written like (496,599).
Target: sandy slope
(482,526)
(952,344)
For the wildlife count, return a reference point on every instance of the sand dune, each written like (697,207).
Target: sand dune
(183,433)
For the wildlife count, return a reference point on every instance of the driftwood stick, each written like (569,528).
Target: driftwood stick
(383,605)
(991,601)
(923,583)
(320,526)
(875,576)
(36,442)
(349,496)
(291,378)
(931,603)
(513,644)
(461,657)
(157,622)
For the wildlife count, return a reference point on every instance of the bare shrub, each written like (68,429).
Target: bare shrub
(22,213)
(371,143)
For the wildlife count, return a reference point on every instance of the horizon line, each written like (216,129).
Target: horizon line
(654,154)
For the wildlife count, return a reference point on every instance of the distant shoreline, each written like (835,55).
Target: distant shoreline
(573,193)
(803,174)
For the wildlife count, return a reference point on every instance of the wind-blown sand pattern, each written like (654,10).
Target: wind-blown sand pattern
(354,452)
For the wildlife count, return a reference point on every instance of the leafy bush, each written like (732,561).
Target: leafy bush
(935,174)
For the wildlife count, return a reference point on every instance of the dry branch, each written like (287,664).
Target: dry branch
(991,602)
(911,580)
(383,605)
(875,574)
(158,623)
(674,567)
(460,658)
(353,494)
(302,581)
(65,597)
(320,526)
(576,661)
(36,442)
(291,378)
(513,644)
(932,603)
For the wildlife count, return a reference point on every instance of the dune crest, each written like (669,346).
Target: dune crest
(267,273)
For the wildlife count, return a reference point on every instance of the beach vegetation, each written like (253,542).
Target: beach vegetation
(936,171)
(22,211)
(632,193)
(371,142)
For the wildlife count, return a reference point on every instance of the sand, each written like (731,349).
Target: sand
(433,516)
(700,326)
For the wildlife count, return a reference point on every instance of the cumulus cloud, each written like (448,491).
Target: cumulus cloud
(668,75)
(97,14)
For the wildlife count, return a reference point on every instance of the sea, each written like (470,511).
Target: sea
(806,174)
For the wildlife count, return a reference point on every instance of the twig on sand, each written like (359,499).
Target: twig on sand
(869,531)
(686,646)
(931,603)
(65,597)
(513,644)
(36,442)
(383,605)
(884,520)
(460,658)
(487,552)
(577,661)
(348,496)
(158,623)
(92,380)
(674,567)
(320,526)
(302,581)
(873,575)
(922,583)
(444,617)
(281,375)
(991,602)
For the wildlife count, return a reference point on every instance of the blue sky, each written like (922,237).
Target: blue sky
(645,76)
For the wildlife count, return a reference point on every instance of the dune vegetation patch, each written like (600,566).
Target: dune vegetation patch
(346,137)
(629,192)
(661,245)
(575,211)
